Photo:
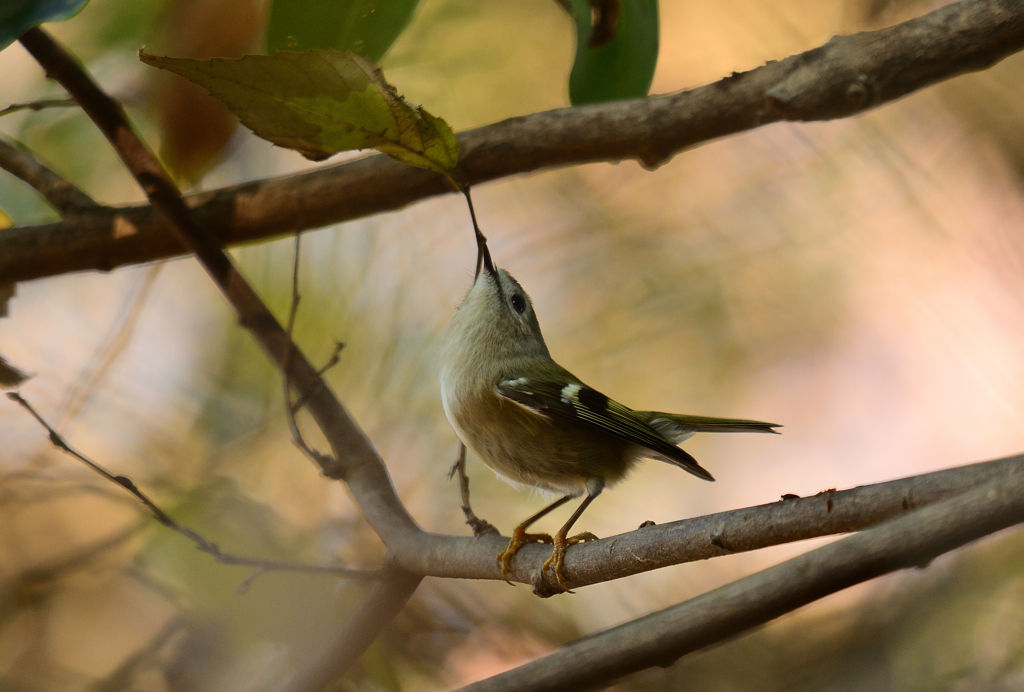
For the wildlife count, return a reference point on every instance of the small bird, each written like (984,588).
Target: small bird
(535,423)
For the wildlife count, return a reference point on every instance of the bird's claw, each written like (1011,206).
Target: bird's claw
(557,560)
(519,537)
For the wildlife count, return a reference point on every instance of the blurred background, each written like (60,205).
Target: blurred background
(858,281)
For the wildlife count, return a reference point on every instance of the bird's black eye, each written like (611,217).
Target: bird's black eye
(518,304)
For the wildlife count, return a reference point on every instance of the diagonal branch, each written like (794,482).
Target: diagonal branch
(61,194)
(844,77)
(661,638)
(355,459)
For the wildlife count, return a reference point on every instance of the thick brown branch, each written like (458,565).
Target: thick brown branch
(61,194)
(846,76)
(661,638)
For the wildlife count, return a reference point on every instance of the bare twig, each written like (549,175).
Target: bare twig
(846,76)
(204,545)
(102,360)
(661,638)
(61,194)
(387,597)
(479,526)
(37,105)
(478,235)
(291,408)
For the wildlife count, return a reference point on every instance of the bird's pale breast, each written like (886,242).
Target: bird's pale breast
(524,446)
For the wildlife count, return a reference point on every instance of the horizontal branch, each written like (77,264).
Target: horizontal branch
(701,538)
(661,638)
(846,76)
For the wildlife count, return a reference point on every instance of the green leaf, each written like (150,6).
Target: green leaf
(18,16)
(365,27)
(619,68)
(322,102)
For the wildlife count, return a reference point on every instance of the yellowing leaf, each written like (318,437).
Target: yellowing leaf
(322,102)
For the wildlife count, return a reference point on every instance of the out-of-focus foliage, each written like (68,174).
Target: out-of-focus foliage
(859,281)
(18,16)
(616,49)
(365,27)
(196,129)
(322,102)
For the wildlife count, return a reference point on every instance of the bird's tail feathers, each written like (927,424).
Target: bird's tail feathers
(677,427)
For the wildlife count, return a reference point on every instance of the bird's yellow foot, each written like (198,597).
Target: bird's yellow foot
(557,559)
(519,537)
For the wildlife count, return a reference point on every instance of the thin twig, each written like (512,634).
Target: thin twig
(481,240)
(479,526)
(844,77)
(661,638)
(333,360)
(37,105)
(291,408)
(103,359)
(204,545)
(55,189)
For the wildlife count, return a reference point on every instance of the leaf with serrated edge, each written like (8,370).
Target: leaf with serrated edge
(320,103)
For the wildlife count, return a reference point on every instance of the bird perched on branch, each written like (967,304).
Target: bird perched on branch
(533,422)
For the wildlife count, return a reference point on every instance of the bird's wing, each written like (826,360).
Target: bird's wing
(564,396)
